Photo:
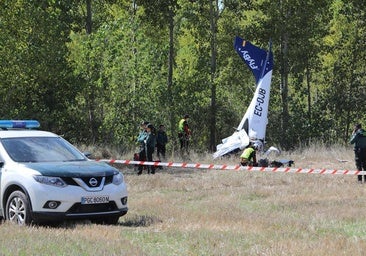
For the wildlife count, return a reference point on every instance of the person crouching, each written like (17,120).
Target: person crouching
(249,156)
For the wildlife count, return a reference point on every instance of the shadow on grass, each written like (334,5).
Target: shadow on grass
(134,221)
(140,221)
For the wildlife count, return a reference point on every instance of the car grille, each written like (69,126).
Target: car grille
(70,181)
(79,208)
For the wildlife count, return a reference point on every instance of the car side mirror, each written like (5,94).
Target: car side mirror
(1,164)
(87,154)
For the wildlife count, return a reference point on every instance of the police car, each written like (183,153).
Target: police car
(44,178)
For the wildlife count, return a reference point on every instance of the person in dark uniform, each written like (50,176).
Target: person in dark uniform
(161,141)
(150,144)
(358,138)
(141,140)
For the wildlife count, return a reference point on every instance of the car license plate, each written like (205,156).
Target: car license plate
(94,199)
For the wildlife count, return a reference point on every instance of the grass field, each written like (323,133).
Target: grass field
(214,212)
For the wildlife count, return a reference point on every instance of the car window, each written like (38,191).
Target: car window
(41,149)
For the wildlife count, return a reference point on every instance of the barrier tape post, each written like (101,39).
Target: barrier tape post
(235,167)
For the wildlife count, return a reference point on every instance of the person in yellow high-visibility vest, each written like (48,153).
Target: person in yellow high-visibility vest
(249,157)
(184,134)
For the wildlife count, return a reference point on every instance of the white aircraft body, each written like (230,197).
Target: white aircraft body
(252,127)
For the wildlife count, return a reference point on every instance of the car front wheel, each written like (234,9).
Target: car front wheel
(18,208)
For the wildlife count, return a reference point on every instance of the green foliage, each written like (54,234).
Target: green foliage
(35,80)
(98,87)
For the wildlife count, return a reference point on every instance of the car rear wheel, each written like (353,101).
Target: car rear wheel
(18,208)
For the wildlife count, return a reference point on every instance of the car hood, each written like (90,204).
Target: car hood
(73,169)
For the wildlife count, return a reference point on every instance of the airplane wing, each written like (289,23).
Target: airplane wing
(238,140)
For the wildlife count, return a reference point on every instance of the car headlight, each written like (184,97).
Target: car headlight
(53,181)
(117,178)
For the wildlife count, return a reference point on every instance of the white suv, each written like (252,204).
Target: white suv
(43,178)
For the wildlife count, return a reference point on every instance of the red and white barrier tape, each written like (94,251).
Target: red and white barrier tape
(235,167)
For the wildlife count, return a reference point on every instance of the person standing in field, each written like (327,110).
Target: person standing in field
(161,141)
(142,155)
(150,143)
(184,134)
(358,138)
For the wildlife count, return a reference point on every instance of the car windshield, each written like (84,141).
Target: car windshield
(41,149)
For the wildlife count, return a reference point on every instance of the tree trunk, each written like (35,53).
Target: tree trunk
(88,26)
(170,76)
(90,97)
(284,90)
(213,27)
(308,83)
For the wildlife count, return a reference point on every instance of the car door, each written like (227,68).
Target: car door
(1,171)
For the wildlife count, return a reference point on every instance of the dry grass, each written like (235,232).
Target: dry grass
(214,212)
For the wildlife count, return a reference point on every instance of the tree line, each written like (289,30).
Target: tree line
(93,70)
